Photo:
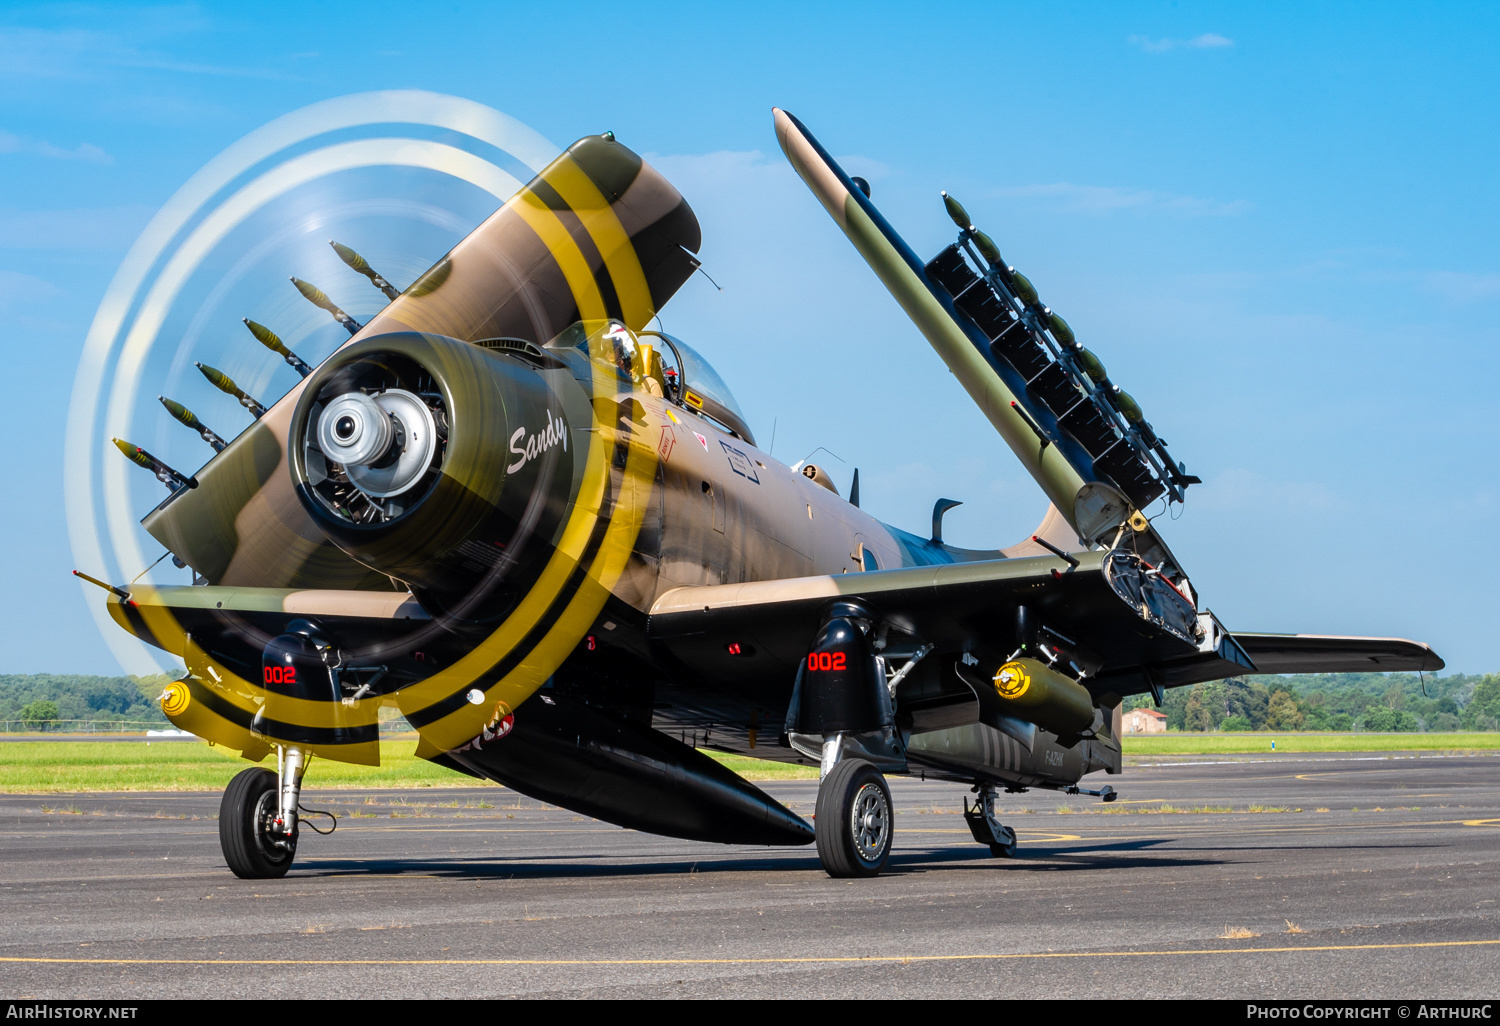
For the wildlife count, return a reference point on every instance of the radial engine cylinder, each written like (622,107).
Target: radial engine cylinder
(439,463)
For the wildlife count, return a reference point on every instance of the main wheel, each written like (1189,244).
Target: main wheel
(246,815)
(853,823)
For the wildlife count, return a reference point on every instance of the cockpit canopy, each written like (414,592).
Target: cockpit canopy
(672,369)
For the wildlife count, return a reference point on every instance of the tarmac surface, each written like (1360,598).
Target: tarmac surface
(1298,876)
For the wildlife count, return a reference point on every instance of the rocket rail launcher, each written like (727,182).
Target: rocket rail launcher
(1034,351)
(1098,491)
(268,338)
(317,297)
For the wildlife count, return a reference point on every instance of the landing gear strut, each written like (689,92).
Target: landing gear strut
(258,817)
(986,828)
(854,821)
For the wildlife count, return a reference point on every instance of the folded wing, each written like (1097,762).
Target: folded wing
(1325,653)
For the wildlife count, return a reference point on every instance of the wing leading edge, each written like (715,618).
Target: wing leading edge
(755,633)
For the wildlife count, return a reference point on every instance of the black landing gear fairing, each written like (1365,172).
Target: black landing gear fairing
(842,712)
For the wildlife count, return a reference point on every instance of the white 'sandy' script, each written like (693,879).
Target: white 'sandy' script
(537,442)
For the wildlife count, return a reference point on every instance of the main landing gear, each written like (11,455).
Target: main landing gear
(258,817)
(986,827)
(854,820)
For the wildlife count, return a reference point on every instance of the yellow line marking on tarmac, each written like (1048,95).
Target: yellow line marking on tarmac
(1030,835)
(1482,822)
(784,960)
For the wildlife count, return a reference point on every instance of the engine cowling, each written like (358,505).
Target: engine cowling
(440,463)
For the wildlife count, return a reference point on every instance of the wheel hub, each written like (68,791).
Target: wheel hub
(871,822)
(268,836)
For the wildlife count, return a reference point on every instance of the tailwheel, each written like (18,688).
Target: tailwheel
(854,820)
(1004,846)
(986,827)
(249,827)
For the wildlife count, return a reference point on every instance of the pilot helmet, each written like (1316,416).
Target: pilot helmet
(624,346)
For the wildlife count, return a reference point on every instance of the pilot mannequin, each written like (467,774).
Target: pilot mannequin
(632,358)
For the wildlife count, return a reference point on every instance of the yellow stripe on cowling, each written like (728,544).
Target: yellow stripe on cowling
(533,607)
(462,725)
(582,610)
(611,239)
(570,548)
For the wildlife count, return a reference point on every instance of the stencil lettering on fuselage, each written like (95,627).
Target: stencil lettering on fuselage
(740,463)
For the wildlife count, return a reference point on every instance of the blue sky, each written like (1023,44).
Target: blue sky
(1276,224)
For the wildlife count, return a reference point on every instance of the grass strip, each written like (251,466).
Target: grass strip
(40,767)
(45,767)
(1242,744)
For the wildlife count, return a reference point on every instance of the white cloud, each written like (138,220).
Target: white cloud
(1247,491)
(92,228)
(39,54)
(1461,286)
(868,168)
(1207,41)
(1099,199)
(42,148)
(17,288)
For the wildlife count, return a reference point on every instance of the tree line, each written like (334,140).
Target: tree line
(1334,701)
(1327,701)
(48,701)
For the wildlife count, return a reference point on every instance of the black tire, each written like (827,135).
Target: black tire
(249,804)
(1006,849)
(854,820)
